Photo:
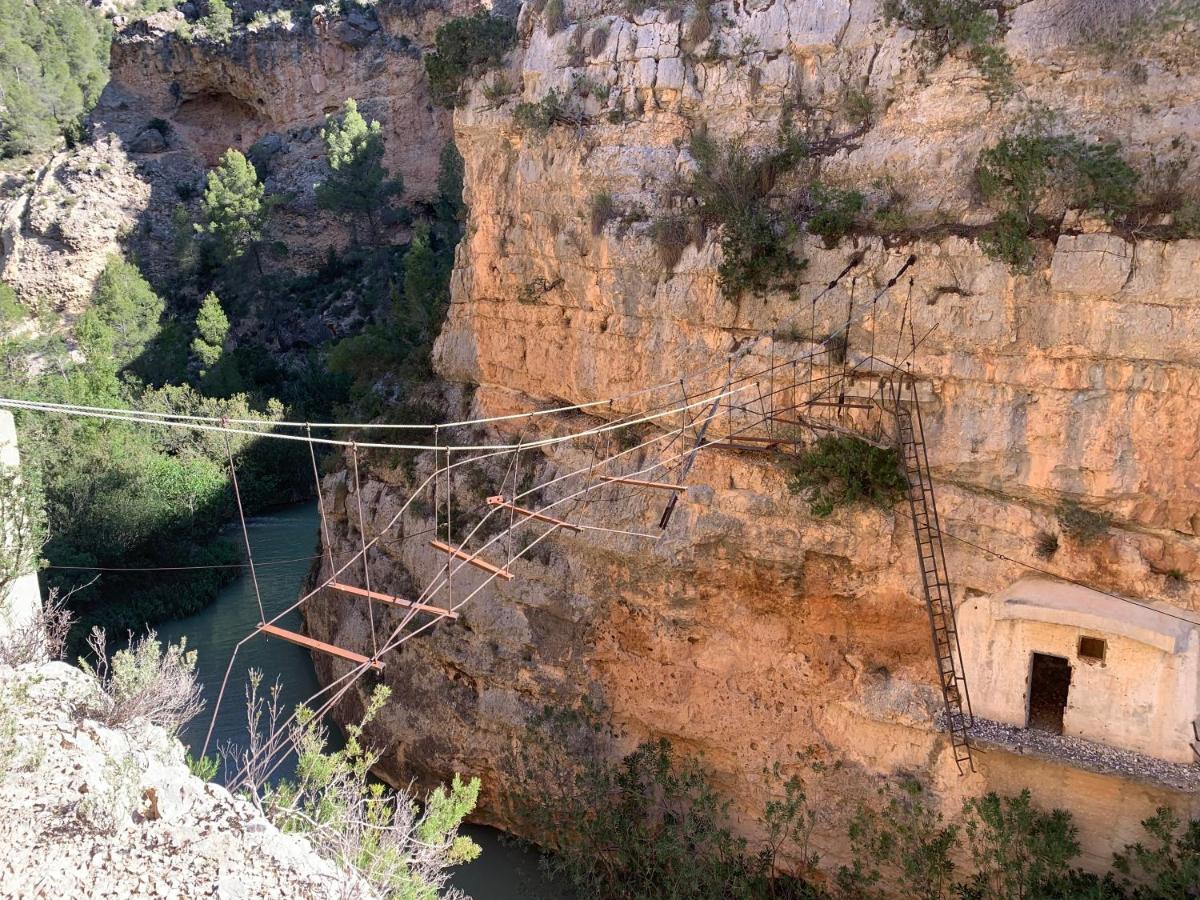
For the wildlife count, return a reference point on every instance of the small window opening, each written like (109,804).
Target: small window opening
(1049,684)
(1092,648)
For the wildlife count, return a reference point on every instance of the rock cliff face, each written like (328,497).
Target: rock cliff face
(752,630)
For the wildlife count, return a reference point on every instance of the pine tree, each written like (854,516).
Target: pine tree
(235,208)
(219,21)
(212,329)
(358,184)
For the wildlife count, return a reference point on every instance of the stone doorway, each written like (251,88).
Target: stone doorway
(1049,684)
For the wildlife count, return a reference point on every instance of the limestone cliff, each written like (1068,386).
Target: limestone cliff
(752,630)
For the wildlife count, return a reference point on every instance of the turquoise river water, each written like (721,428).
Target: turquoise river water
(284,543)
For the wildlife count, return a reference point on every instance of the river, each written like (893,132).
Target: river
(284,542)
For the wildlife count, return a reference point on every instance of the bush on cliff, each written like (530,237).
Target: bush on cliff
(1027,172)
(465,49)
(839,470)
(401,848)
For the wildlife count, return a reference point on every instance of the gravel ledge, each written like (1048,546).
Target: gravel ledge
(1085,755)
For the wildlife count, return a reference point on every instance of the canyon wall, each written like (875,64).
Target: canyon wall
(752,630)
(175,104)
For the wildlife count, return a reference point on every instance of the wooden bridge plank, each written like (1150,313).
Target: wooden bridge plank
(529,513)
(396,601)
(313,644)
(470,559)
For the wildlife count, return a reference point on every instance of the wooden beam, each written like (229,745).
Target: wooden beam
(661,485)
(311,644)
(395,601)
(746,439)
(529,513)
(471,559)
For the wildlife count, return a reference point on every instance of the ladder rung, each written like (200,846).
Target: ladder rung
(529,513)
(471,559)
(310,643)
(395,601)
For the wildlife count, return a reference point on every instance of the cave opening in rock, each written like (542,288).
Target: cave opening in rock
(1049,684)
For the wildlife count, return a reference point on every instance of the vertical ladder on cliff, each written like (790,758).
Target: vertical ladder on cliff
(934,576)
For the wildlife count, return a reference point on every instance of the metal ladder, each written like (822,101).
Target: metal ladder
(935,579)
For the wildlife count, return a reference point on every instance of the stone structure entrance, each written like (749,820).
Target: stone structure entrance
(1061,658)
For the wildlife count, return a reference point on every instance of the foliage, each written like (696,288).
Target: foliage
(450,207)
(41,637)
(834,212)
(671,235)
(648,826)
(1168,864)
(22,525)
(203,767)
(732,189)
(378,834)
(123,317)
(218,23)
(839,470)
(212,328)
(1080,524)
(53,65)
(552,16)
(540,116)
(906,837)
(1017,850)
(946,25)
(235,208)
(144,682)
(1022,171)
(466,48)
(358,184)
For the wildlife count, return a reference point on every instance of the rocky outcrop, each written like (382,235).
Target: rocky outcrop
(94,811)
(174,106)
(752,630)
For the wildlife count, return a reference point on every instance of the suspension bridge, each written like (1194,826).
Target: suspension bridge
(772,393)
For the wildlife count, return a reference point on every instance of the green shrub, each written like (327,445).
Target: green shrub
(1018,173)
(905,837)
(1080,524)
(839,470)
(732,188)
(540,116)
(946,25)
(218,23)
(552,17)
(203,767)
(145,682)
(834,213)
(1016,849)
(1168,864)
(400,847)
(465,48)
(358,185)
(651,825)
